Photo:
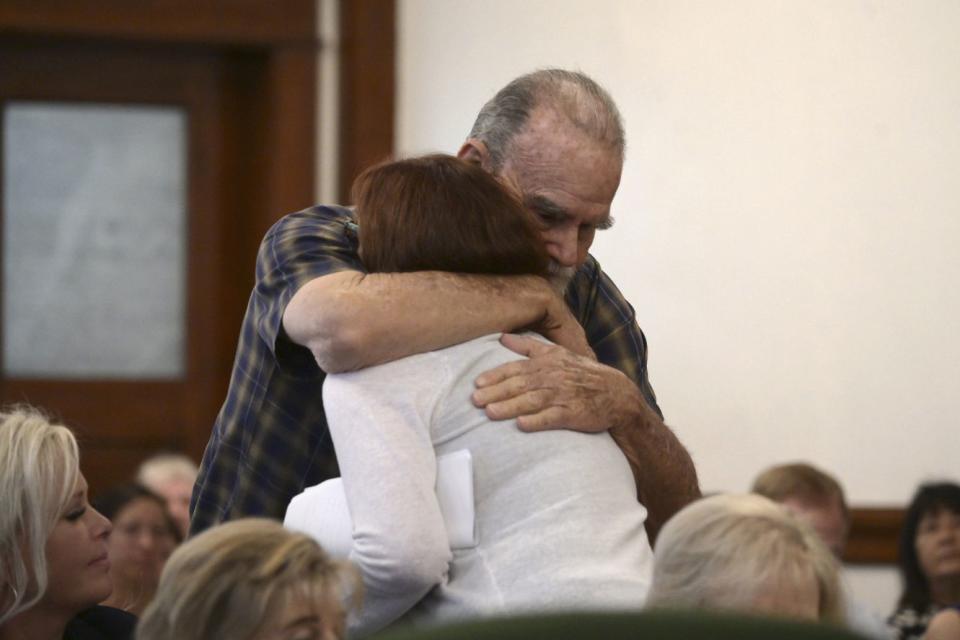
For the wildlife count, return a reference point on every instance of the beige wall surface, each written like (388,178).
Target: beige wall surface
(787,221)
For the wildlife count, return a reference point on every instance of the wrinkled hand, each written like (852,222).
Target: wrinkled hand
(554,389)
(561,327)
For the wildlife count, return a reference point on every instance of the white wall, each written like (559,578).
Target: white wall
(788,218)
(787,222)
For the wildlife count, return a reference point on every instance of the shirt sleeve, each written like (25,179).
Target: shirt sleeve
(610,324)
(300,247)
(381,432)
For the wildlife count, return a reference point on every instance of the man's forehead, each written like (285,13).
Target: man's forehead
(578,212)
(583,181)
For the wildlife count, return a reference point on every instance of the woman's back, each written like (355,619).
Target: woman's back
(558,522)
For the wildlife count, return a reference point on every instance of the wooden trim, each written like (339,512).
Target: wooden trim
(247,78)
(874,535)
(206,22)
(367,86)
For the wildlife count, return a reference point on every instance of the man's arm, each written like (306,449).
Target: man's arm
(555,388)
(350,320)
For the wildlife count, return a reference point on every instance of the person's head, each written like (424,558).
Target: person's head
(144,535)
(53,545)
(929,550)
(812,495)
(249,579)
(439,212)
(557,137)
(744,553)
(171,476)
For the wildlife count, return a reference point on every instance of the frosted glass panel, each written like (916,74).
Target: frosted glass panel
(94,237)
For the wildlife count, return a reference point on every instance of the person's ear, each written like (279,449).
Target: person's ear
(475,152)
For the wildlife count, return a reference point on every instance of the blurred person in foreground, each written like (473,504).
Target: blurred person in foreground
(929,559)
(745,554)
(249,579)
(818,499)
(54,567)
(144,535)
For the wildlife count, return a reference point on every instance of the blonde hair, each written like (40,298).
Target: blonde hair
(721,552)
(225,582)
(39,467)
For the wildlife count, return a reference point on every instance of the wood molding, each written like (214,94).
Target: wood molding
(367,86)
(251,22)
(245,70)
(874,535)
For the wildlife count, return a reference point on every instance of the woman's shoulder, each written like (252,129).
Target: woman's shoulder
(945,625)
(101,623)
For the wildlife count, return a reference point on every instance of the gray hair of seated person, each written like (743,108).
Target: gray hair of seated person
(226,582)
(722,551)
(164,467)
(585,104)
(39,467)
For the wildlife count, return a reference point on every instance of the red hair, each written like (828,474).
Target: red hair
(441,213)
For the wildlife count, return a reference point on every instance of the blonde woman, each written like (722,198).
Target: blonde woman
(53,545)
(744,553)
(249,579)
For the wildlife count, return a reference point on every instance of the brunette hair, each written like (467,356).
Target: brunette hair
(441,213)
(929,498)
(803,482)
(114,500)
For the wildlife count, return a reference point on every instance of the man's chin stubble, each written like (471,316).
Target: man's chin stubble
(560,277)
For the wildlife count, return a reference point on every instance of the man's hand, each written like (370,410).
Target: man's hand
(557,389)
(557,325)
(554,389)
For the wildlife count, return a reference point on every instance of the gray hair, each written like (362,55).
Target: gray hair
(164,467)
(586,105)
(39,467)
(722,551)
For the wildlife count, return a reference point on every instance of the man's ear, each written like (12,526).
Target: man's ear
(475,152)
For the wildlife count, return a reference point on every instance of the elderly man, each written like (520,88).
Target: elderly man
(555,137)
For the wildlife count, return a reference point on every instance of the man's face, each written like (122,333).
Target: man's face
(568,180)
(826,518)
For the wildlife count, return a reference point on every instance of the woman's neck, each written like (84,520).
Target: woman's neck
(131,596)
(36,623)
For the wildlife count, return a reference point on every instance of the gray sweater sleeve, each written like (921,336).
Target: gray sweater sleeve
(380,422)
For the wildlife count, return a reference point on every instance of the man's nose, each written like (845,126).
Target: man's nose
(563,246)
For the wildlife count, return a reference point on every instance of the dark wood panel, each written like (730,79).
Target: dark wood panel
(72,71)
(106,465)
(367,86)
(137,410)
(874,534)
(258,22)
(251,149)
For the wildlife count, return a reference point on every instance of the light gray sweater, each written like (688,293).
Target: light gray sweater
(559,525)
